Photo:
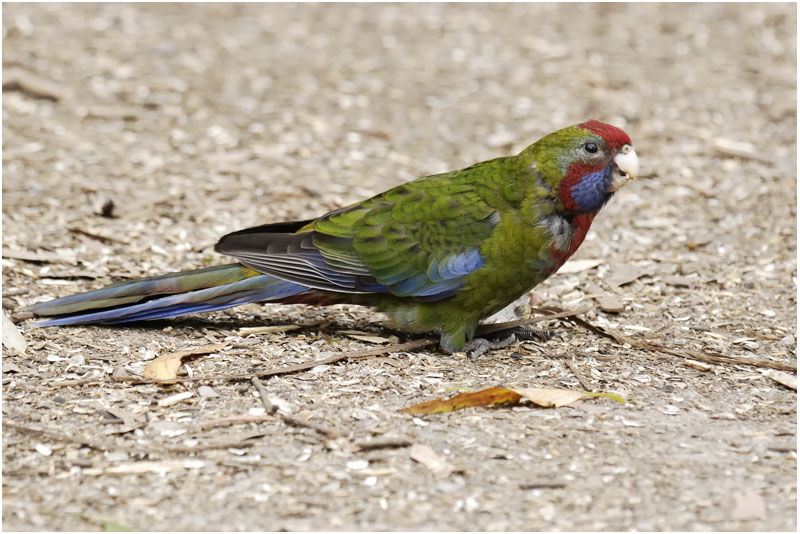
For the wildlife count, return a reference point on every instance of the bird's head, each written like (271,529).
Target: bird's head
(585,164)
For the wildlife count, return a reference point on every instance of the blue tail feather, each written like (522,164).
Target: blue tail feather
(252,289)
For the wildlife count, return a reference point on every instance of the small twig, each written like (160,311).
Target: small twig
(544,484)
(691,354)
(205,425)
(288,419)
(79,440)
(98,445)
(584,383)
(499,327)
(270,408)
(239,442)
(392,443)
(99,237)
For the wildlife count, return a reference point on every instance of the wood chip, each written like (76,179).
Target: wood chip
(370,338)
(27,255)
(138,468)
(610,303)
(625,274)
(748,506)
(18,79)
(12,337)
(578,266)
(175,399)
(697,365)
(729,147)
(268,329)
(426,456)
(784,379)
(113,111)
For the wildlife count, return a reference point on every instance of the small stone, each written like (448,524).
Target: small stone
(116,456)
(669,409)
(787,341)
(357,465)
(207,392)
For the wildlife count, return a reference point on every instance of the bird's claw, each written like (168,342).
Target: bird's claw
(480,346)
(526,333)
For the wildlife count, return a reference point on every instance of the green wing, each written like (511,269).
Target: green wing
(420,239)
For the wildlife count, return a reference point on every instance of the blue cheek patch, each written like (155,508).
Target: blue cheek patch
(592,191)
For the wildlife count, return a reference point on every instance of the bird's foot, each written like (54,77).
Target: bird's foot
(480,345)
(505,338)
(526,333)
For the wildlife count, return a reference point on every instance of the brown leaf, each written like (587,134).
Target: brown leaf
(484,397)
(544,397)
(166,366)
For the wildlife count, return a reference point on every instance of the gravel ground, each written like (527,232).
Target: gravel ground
(196,120)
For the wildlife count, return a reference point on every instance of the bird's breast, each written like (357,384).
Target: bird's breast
(567,235)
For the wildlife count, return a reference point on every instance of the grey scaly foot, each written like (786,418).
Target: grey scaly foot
(480,346)
(525,333)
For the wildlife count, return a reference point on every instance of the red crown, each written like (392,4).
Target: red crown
(615,138)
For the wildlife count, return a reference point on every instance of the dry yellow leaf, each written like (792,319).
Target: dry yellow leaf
(484,397)
(166,366)
(550,397)
(544,397)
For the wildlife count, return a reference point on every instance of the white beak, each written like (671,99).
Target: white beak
(627,167)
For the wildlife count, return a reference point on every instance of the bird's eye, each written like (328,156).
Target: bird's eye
(590,147)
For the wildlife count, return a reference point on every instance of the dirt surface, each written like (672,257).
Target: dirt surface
(199,120)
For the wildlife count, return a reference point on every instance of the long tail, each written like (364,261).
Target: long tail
(169,295)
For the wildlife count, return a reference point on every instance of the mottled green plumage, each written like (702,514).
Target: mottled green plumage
(439,253)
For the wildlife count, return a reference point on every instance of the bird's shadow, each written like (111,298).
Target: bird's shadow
(255,322)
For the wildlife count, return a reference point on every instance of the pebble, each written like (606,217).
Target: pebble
(357,465)
(207,392)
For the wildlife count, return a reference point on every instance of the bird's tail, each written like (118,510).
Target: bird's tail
(170,295)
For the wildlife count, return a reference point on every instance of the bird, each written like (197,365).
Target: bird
(436,254)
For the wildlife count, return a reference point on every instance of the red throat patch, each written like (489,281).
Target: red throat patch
(582,223)
(615,138)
